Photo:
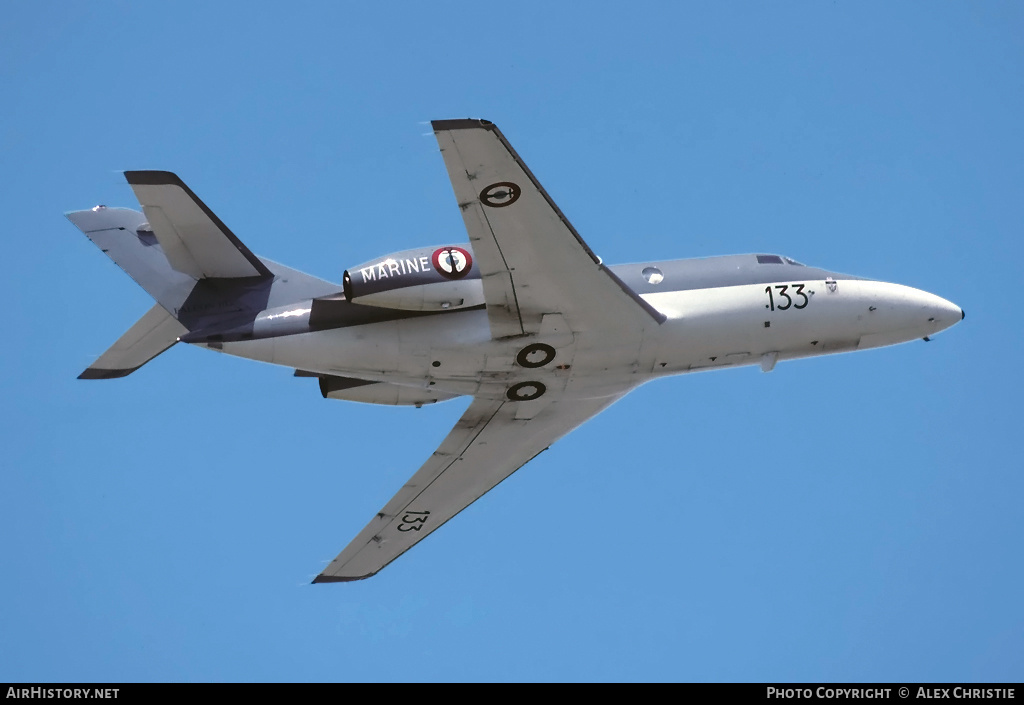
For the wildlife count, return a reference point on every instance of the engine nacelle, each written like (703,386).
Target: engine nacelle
(425,279)
(350,389)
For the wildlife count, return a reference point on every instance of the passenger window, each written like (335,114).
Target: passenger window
(653,275)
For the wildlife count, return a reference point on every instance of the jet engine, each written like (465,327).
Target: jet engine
(348,389)
(425,279)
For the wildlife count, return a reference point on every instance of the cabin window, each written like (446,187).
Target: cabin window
(653,275)
(769,259)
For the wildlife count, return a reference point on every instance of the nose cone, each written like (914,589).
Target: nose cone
(941,314)
(900,313)
(928,313)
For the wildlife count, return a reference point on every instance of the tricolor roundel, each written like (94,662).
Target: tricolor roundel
(452,262)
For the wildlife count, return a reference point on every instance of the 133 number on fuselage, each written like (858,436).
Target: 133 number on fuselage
(783,292)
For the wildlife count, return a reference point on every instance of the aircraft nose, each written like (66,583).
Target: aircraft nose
(901,313)
(942,313)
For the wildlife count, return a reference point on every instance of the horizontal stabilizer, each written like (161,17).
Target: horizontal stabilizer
(193,239)
(150,336)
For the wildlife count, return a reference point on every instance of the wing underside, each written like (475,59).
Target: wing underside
(487,445)
(541,280)
(532,261)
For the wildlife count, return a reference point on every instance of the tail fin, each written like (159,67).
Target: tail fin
(200,274)
(178,241)
(150,336)
(125,237)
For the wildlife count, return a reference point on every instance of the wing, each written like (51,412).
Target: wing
(194,240)
(491,441)
(531,259)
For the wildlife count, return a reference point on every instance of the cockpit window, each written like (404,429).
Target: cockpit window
(793,261)
(769,259)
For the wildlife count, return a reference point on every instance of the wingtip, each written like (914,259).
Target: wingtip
(340,579)
(98,373)
(152,178)
(462,124)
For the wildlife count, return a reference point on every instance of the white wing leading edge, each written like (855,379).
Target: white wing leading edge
(487,445)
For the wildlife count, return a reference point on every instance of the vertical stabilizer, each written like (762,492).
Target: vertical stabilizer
(201,275)
(124,236)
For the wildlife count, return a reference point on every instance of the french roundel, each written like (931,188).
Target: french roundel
(452,262)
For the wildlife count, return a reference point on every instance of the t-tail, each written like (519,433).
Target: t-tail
(202,277)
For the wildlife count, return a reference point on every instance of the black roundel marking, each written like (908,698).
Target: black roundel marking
(525,391)
(535,355)
(501,194)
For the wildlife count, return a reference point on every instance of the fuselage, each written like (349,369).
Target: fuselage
(528,321)
(720,312)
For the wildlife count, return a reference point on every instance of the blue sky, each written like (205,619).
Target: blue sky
(854,517)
